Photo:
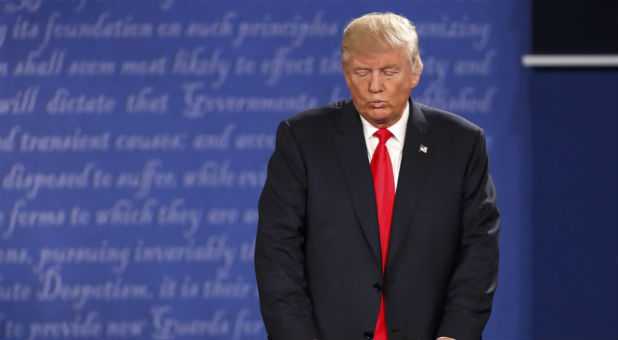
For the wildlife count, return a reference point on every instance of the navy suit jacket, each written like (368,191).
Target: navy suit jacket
(318,259)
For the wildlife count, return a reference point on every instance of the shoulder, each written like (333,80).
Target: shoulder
(321,117)
(312,130)
(444,124)
(443,119)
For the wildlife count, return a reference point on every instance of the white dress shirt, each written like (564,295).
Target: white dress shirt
(394,145)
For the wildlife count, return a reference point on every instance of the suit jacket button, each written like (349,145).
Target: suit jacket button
(377,286)
(368,335)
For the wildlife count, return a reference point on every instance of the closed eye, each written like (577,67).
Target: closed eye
(390,71)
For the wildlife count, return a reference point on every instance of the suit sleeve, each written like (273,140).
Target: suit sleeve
(474,279)
(279,258)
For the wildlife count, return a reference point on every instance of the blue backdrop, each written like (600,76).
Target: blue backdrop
(134,137)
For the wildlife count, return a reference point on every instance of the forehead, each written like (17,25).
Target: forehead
(376,58)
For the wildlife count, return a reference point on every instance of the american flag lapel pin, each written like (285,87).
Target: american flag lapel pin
(422,149)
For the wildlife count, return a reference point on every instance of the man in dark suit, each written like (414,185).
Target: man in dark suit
(378,217)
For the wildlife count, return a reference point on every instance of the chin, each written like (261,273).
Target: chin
(379,114)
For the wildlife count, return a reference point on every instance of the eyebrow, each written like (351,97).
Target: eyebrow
(381,68)
(390,66)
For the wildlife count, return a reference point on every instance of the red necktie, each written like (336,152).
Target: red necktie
(384,186)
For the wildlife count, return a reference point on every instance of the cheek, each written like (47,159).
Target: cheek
(355,87)
(404,88)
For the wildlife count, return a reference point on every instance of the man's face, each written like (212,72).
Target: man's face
(380,84)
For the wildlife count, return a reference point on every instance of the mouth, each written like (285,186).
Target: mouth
(377,103)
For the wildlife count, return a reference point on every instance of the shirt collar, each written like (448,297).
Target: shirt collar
(398,129)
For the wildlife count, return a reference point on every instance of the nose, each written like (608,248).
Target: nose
(375,83)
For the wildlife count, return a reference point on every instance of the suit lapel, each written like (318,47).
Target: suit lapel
(352,152)
(417,151)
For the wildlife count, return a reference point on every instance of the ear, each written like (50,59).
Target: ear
(415,79)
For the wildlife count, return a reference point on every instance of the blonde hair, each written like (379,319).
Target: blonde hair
(379,31)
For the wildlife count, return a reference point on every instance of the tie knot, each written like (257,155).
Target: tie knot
(383,135)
